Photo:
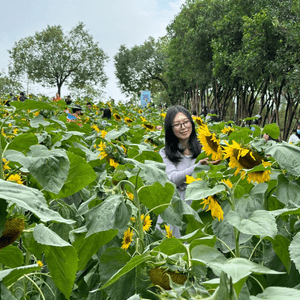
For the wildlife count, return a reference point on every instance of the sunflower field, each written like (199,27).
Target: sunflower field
(79,202)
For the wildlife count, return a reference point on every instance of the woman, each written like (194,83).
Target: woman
(295,137)
(181,150)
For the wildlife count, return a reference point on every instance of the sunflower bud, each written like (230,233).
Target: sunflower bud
(12,230)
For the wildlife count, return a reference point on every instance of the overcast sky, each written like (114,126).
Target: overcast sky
(111,23)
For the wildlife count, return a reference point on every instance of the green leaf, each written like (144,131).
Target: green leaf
(6,294)
(133,263)
(80,175)
(23,142)
(49,167)
(113,134)
(278,293)
(30,199)
(11,257)
(31,104)
(294,250)
(149,155)
(287,190)
(170,246)
(155,195)
(199,190)
(87,247)
(61,258)
(37,121)
(112,213)
(272,130)
(287,156)
(239,191)
(281,246)
(10,276)
(260,223)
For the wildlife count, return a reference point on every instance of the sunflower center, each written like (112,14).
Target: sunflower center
(247,161)
(213,145)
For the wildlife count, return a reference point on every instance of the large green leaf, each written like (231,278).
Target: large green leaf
(133,263)
(10,276)
(151,171)
(6,294)
(49,167)
(281,246)
(11,257)
(112,213)
(23,142)
(272,130)
(287,190)
(287,156)
(39,120)
(30,199)
(198,190)
(294,249)
(171,246)
(61,258)
(278,293)
(149,155)
(31,104)
(260,222)
(87,247)
(80,175)
(156,195)
(113,134)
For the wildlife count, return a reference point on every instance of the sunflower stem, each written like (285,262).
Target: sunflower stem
(237,242)
(140,239)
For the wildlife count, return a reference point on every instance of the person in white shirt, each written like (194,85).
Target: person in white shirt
(295,137)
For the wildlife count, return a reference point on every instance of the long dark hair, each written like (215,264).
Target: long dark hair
(173,152)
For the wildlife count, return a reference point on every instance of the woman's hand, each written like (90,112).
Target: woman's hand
(206,162)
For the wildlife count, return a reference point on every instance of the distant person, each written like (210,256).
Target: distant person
(106,114)
(268,138)
(160,107)
(22,97)
(76,112)
(213,118)
(204,112)
(68,100)
(256,122)
(295,137)
(89,106)
(57,97)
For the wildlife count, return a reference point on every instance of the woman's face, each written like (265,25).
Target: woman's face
(182,126)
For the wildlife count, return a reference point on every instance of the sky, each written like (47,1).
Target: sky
(110,22)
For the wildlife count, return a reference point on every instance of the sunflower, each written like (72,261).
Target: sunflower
(125,150)
(117,117)
(140,111)
(163,115)
(260,176)
(5,166)
(210,143)
(150,127)
(169,232)
(130,195)
(143,119)
(228,182)
(147,222)
(103,133)
(243,158)
(36,113)
(227,130)
(16,178)
(128,120)
(190,179)
(198,120)
(214,207)
(127,239)
(101,148)
(113,163)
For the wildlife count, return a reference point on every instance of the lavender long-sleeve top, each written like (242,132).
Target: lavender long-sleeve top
(177,171)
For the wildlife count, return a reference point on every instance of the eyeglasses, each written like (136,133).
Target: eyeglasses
(185,124)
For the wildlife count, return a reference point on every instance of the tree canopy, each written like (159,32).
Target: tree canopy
(54,58)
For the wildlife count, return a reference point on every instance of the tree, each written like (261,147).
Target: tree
(141,67)
(53,58)
(9,85)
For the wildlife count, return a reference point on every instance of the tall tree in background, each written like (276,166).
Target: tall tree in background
(141,67)
(9,85)
(53,58)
